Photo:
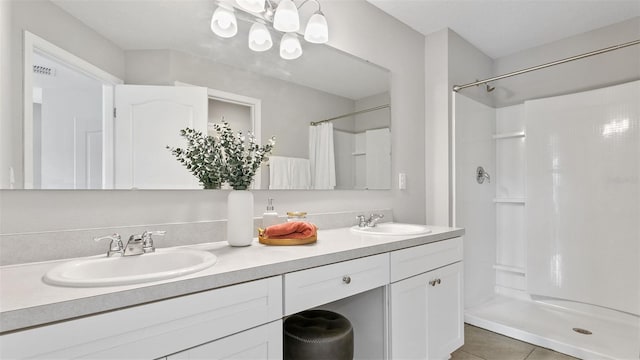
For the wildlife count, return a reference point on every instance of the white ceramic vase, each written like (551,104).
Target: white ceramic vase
(240,218)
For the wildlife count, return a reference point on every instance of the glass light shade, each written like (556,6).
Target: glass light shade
(255,6)
(317,30)
(259,38)
(224,23)
(290,47)
(286,18)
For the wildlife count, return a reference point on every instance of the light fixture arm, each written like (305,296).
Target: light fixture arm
(306,1)
(270,8)
(269,5)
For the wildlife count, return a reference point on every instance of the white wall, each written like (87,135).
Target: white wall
(238,116)
(6,100)
(602,70)
(373,119)
(449,61)
(344,146)
(375,37)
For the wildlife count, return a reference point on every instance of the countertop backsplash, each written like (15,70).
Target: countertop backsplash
(53,245)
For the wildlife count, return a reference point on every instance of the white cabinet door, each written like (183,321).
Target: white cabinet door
(148,119)
(445,311)
(263,342)
(426,314)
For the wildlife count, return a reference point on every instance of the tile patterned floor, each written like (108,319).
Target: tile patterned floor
(480,344)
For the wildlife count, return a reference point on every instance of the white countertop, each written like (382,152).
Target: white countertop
(25,300)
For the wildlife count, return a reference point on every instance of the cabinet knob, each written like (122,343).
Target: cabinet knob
(346,279)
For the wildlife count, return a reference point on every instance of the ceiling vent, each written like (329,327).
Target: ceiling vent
(43,70)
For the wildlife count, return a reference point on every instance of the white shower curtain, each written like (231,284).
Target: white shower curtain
(321,156)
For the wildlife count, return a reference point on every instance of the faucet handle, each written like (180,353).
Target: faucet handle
(362,220)
(115,247)
(373,219)
(147,240)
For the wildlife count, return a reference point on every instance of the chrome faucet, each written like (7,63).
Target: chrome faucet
(371,222)
(115,247)
(137,244)
(134,246)
(141,244)
(147,240)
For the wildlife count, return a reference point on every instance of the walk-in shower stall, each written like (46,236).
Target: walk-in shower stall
(548,191)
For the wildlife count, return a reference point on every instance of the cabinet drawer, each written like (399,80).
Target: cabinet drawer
(263,342)
(153,330)
(419,259)
(312,287)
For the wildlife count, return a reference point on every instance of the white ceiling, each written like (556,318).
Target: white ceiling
(503,27)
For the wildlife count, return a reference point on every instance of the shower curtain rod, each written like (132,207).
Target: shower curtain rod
(314,123)
(457,88)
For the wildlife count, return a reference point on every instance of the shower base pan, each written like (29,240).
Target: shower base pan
(552,326)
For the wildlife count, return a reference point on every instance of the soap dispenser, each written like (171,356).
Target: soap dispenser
(270,217)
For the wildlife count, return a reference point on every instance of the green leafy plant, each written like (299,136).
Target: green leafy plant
(202,157)
(242,155)
(228,157)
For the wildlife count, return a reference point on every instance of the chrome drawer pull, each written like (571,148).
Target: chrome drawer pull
(346,279)
(435,282)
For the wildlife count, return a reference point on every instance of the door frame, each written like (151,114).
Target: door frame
(33,43)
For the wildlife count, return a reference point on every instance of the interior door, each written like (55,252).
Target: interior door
(148,119)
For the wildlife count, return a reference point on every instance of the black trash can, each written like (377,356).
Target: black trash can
(318,335)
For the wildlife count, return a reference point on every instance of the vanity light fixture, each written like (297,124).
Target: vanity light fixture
(317,31)
(255,6)
(259,37)
(224,22)
(290,47)
(284,17)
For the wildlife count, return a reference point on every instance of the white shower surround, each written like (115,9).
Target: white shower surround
(531,318)
(583,198)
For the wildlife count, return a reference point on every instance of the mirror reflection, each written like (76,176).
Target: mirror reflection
(86,128)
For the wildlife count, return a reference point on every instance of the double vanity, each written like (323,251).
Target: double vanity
(402,293)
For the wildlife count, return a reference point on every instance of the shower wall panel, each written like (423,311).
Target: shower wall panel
(474,123)
(510,200)
(583,198)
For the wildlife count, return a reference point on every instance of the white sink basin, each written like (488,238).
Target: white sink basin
(392,229)
(108,271)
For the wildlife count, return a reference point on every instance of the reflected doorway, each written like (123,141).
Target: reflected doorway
(68,104)
(67,126)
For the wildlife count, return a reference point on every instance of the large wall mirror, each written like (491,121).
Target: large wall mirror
(178,74)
